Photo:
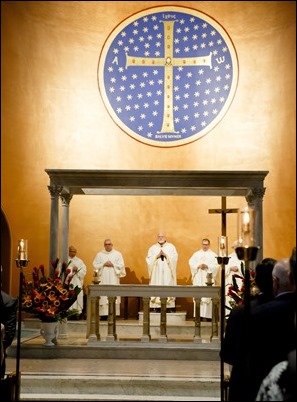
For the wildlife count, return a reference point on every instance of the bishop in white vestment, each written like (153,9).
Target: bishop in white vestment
(161,262)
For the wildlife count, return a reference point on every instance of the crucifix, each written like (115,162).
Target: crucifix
(223,211)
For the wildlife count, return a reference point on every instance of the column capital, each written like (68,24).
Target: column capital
(66,198)
(54,190)
(255,194)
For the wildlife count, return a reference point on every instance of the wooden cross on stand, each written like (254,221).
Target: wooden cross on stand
(224,211)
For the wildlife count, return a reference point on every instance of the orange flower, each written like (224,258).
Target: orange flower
(49,299)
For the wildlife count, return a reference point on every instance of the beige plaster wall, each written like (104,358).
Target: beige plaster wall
(52,116)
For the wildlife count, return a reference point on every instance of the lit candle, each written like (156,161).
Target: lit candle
(23,250)
(246,222)
(246,227)
(223,246)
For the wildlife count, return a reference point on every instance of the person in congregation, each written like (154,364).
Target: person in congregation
(280,383)
(201,263)
(78,271)
(250,354)
(8,314)
(161,263)
(109,267)
(275,321)
(235,320)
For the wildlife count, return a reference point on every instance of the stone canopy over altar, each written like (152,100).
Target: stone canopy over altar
(66,183)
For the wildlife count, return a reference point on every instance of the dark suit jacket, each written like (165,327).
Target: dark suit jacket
(253,344)
(8,315)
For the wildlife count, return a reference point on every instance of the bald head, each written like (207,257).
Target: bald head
(161,237)
(72,251)
(282,280)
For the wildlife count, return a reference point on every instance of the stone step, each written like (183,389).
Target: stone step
(58,386)
(72,348)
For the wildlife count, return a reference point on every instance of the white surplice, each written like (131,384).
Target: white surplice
(109,275)
(77,280)
(162,272)
(199,276)
(233,262)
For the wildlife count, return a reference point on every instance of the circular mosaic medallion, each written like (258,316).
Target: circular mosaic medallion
(167,75)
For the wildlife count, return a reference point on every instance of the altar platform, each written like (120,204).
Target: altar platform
(119,371)
(73,343)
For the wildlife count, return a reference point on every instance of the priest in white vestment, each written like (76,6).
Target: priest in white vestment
(109,266)
(201,263)
(234,266)
(161,262)
(78,271)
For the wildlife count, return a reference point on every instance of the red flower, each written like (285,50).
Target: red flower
(49,298)
(236,293)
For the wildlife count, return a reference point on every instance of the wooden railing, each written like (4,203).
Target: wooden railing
(94,292)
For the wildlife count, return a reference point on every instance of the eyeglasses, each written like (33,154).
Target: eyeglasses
(107,244)
(204,244)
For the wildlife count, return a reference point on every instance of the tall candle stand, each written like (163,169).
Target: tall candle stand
(247,254)
(222,261)
(21,262)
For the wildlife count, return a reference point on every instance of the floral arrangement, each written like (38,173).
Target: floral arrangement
(49,299)
(237,293)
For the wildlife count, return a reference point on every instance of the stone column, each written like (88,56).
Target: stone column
(163,320)
(65,198)
(197,334)
(255,199)
(111,325)
(54,225)
(146,336)
(93,329)
(215,320)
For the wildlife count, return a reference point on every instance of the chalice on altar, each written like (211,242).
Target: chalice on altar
(209,281)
